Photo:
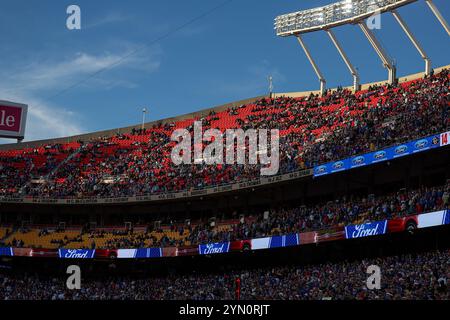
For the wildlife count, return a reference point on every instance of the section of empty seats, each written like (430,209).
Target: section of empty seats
(41,237)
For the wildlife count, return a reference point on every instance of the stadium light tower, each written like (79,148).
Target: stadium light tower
(353,12)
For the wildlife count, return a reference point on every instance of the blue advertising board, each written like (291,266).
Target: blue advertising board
(378,156)
(214,248)
(447,217)
(354,231)
(284,241)
(154,252)
(148,253)
(76,253)
(6,252)
(141,253)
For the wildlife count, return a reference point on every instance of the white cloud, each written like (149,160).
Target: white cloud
(81,65)
(38,80)
(112,17)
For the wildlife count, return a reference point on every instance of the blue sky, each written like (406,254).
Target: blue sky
(223,57)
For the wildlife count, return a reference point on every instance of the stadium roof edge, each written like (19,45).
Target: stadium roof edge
(200,113)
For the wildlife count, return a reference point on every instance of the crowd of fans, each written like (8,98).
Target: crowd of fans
(313,129)
(18,167)
(278,221)
(421,276)
(307,218)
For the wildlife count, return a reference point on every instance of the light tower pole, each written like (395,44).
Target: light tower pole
(144,111)
(385,59)
(414,41)
(270,86)
(353,71)
(313,64)
(438,15)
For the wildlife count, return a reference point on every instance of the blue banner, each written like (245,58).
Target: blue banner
(6,252)
(154,252)
(378,156)
(284,241)
(214,248)
(143,253)
(291,240)
(447,217)
(276,242)
(76,253)
(365,230)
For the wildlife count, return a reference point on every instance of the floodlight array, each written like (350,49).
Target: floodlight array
(339,13)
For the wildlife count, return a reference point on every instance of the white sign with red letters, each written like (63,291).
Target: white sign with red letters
(445,138)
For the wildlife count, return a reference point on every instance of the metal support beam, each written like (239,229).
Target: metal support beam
(356,84)
(313,64)
(438,15)
(414,41)
(387,63)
